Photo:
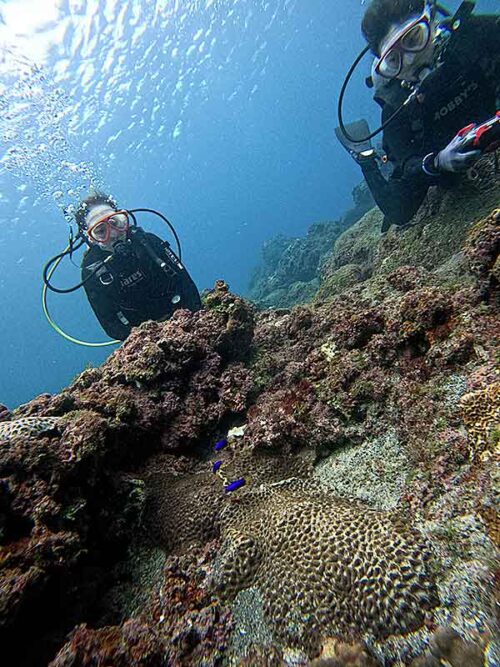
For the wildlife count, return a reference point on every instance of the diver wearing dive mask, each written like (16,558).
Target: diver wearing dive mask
(129,275)
(406,48)
(432,78)
(105,226)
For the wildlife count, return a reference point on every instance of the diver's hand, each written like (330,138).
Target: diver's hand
(456,156)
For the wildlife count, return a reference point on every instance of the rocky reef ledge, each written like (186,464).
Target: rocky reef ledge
(366,428)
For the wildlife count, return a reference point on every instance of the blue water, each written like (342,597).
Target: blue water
(219,113)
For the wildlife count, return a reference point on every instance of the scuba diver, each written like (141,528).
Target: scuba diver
(129,275)
(438,83)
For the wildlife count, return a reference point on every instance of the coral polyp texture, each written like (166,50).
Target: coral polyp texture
(481,416)
(325,565)
(27,426)
(183,510)
(365,426)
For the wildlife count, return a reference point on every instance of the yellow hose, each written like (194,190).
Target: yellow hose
(55,326)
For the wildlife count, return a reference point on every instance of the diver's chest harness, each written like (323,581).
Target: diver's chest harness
(109,271)
(121,268)
(453,105)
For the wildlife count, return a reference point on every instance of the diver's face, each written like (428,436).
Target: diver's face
(105,226)
(407,49)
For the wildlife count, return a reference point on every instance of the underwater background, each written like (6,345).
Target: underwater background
(218,113)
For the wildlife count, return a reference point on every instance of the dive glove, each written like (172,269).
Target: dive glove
(456,156)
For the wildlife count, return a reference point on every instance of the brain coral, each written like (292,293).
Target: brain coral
(27,426)
(481,415)
(183,510)
(325,566)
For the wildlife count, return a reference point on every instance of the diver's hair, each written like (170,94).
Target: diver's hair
(96,199)
(381,14)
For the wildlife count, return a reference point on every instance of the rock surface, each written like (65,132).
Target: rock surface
(117,541)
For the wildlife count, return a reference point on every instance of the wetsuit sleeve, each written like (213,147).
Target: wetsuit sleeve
(400,196)
(104,307)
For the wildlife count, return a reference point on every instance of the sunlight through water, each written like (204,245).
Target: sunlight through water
(72,70)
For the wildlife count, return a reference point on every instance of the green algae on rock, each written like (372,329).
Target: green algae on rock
(437,235)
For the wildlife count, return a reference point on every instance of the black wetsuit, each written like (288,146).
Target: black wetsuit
(131,287)
(463,89)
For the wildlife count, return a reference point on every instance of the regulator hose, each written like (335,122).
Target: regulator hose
(56,261)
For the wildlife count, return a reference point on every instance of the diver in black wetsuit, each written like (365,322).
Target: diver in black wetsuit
(129,275)
(453,69)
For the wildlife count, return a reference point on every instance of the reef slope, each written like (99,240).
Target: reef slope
(366,427)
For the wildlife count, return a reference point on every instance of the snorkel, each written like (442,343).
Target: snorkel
(375,81)
(82,238)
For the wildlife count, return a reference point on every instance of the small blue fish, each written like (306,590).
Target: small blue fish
(220,445)
(234,486)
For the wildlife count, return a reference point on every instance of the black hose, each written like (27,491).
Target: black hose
(170,225)
(360,140)
(53,260)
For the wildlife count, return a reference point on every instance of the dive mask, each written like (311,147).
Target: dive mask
(100,231)
(413,37)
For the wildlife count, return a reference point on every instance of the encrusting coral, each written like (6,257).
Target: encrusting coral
(481,416)
(27,426)
(340,654)
(324,565)
(402,366)
(483,247)
(447,647)
(5,414)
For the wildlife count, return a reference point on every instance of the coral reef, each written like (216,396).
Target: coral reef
(483,247)
(339,654)
(5,414)
(68,503)
(289,271)
(447,646)
(365,425)
(374,471)
(439,233)
(121,646)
